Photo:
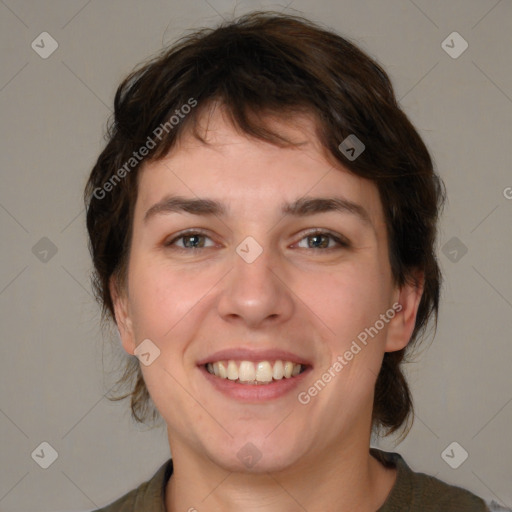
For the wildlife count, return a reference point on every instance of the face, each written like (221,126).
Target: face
(283,269)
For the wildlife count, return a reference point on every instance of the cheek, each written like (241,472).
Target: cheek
(164,306)
(347,300)
(162,296)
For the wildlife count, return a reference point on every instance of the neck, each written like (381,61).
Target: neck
(347,479)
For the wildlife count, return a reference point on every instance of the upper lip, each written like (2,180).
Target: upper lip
(244,354)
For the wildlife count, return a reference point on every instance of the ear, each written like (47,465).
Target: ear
(123,319)
(407,301)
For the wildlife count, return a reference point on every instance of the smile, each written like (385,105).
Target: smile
(254,373)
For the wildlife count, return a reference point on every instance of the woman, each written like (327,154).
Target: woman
(262,223)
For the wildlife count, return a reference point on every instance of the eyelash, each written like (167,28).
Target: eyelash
(341,241)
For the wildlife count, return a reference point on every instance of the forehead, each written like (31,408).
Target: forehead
(214,125)
(245,173)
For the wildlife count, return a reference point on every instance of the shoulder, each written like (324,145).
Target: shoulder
(424,493)
(124,504)
(148,496)
(440,495)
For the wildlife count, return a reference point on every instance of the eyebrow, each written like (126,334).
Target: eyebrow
(302,207)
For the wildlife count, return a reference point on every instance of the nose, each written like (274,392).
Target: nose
(256,293)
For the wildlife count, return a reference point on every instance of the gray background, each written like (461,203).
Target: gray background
(55,365)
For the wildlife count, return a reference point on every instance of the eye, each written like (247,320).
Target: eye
(191,240)
(322,240)
(316,239)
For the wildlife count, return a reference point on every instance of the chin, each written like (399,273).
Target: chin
(257,454)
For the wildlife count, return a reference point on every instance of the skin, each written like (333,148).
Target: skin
(297,297)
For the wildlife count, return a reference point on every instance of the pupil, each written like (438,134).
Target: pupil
(190,237)
(317,237)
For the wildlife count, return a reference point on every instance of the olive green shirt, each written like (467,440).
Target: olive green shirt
(412,492)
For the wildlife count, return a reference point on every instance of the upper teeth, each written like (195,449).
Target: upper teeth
(247,371)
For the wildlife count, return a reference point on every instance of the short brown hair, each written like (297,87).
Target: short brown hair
(267,62)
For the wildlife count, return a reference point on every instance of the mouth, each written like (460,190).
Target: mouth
(254,373)
(255,377)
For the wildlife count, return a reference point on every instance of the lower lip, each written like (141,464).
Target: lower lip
(254,392)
